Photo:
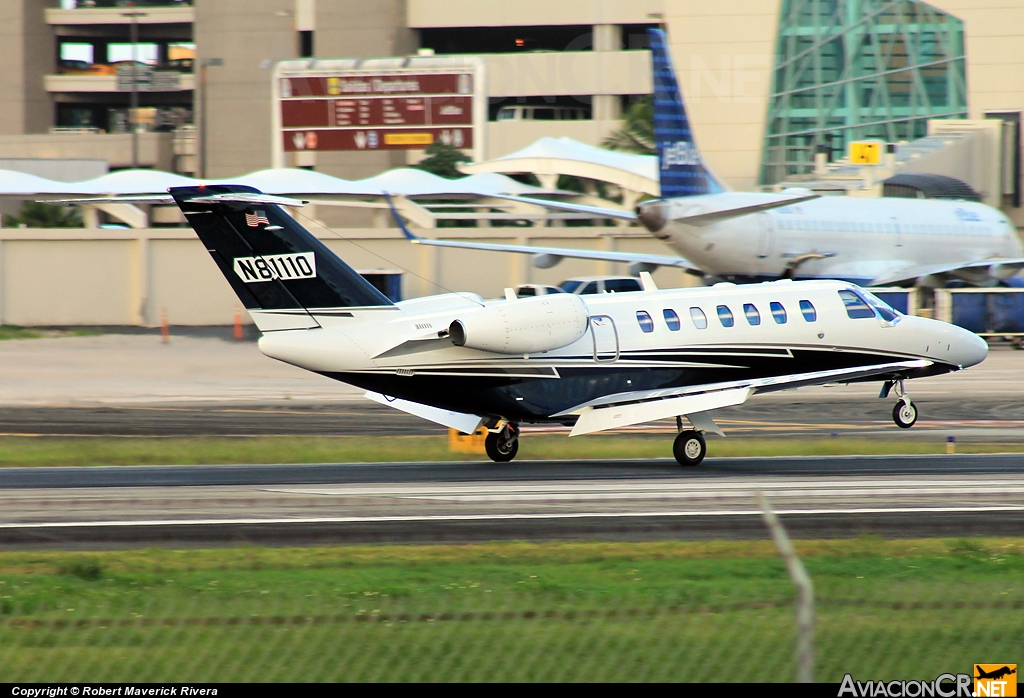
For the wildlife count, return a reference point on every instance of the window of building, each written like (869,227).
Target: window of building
(700,320)
(753,317)
(144,53)
(778,312)
(807,308)
(671,319)
(645,320)
(819,48)
(856,307)
(725,316)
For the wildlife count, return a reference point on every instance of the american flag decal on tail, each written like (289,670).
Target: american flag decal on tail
(255,218)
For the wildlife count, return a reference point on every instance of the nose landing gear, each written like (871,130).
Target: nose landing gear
(904,413)
(502,444)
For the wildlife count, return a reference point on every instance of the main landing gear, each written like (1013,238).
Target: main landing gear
(904,413)
(502,444)
(689,447)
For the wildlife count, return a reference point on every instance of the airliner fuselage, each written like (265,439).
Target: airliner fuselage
(854,239)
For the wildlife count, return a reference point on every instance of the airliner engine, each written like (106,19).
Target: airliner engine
(523,326)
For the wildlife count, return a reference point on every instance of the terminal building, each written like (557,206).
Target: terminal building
(769,84)
(776,91)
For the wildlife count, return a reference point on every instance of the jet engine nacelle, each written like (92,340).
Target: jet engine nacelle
(523,326)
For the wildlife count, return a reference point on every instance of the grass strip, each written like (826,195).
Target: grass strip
(693,611)
(84,451)
(18,332)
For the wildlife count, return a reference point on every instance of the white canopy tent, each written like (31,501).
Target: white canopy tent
(403,183)
(548,158)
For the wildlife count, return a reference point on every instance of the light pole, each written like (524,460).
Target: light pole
(203,96)
(133,111)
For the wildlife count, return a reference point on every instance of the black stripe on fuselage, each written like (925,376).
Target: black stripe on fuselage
(527,399)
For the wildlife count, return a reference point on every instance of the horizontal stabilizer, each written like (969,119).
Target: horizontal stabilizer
(466,423)
(141,199)
(726,212)
(167,199)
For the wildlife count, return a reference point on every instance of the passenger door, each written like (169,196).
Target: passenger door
(605,337)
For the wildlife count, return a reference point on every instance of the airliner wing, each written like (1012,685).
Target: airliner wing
(998,268)
(703,209)
(639,406)
(613,213)
(553,254)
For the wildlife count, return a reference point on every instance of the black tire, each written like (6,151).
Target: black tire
(904,414)
(500,448)
(689,448)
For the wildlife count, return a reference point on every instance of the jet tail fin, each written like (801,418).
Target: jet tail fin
(683,172)
(275,266)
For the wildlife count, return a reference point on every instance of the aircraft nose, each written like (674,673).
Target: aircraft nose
(970,348)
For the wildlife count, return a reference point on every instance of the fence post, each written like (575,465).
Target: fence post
(804,592)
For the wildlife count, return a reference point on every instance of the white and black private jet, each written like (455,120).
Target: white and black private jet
(591,362)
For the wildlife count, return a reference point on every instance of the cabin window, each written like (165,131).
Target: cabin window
(671,319)
(725,316)
(856,307)
(700,320)
(778,312)
(807,308)
(753,317)
(645,320)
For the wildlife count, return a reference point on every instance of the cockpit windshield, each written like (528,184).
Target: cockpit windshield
(884,310)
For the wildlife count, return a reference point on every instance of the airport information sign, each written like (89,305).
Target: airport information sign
(391,110)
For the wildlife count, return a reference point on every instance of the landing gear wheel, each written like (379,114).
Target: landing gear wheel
(502,446)
(689,448)
(904,414)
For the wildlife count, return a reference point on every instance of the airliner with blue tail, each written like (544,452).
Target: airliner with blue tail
(757,236)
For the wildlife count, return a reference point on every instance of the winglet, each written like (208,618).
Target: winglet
(398,219)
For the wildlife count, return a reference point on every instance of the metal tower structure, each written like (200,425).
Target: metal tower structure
(854,69)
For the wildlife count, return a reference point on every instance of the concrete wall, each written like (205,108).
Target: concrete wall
(724,54)
(249,35)
(500,13)
(129,277)
(156,150)
(26,54)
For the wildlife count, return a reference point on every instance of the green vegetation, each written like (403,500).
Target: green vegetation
(17,332)
(442,160)
(718,611)
(60,451)
(636,135)
(35,214)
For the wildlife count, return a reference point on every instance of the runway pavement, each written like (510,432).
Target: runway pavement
(203,384)
(901,496)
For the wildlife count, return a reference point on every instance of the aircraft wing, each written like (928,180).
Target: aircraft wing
(553,254)
(700,210)
(997,268)
(637,407)
(614,213)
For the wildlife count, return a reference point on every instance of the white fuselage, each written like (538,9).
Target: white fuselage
(859,239)
(634,341)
